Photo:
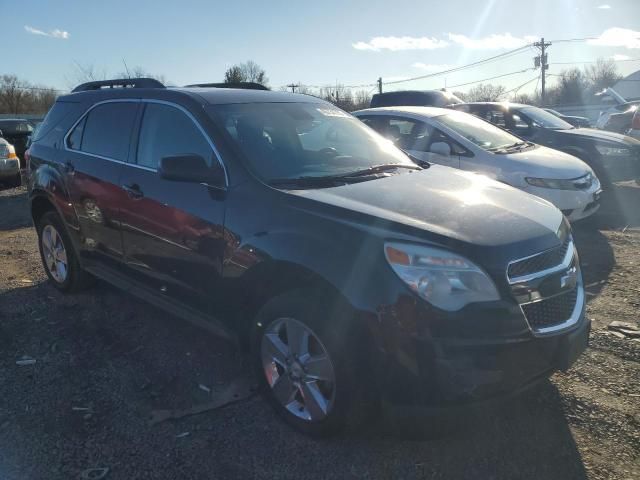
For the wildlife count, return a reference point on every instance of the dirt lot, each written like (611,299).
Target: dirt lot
(105,361)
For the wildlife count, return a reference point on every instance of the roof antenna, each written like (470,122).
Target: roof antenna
(126,68)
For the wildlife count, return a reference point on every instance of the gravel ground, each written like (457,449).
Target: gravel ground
(105,360)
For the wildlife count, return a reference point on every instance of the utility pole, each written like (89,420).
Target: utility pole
(380,85)
(293,87)
(542,62)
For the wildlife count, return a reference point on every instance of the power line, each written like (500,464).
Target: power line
(45,89)
(595,61)
(456,69)
(490,78)
(520,86)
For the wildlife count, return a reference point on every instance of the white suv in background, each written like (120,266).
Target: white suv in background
(464,141)
(9,164)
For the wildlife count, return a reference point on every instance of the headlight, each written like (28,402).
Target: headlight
(444,279)
(608,150)
(551,183)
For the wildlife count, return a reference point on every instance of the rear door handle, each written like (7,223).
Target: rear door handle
(133,190)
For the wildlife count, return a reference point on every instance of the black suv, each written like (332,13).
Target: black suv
(350,273)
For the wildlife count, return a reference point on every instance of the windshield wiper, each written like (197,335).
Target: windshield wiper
(377,169)
(330,180)
(514,146)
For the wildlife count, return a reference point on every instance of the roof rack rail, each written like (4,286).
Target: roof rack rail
(242,85)
(119,83)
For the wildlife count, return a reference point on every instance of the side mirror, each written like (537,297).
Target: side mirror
(190,168)
(441,148)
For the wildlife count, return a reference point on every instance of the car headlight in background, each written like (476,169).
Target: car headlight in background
(444,279)
(611,150)
(579,183)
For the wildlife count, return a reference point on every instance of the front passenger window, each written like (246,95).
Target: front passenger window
(168,131)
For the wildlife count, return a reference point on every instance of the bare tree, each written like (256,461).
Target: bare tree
(12,92)
(234,75)
(339,95)
(485,92)
(602,74)
(361,99)
(18,96)
(139,72)
(248,71)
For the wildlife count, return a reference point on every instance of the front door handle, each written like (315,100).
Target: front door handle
(133,190)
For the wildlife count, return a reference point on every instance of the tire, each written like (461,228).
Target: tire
(16,181)
(299,311)
(51,236)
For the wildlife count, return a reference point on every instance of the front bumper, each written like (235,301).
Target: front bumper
(9,167)
(446,372)
(575,204)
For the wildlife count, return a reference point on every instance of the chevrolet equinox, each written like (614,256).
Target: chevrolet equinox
(349,272)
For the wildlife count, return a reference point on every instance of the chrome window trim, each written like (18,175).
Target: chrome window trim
(133,164)
(566,263)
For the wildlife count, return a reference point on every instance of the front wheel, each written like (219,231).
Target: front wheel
(305,362)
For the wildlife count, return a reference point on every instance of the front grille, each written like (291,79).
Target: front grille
(540,262)
(551,311)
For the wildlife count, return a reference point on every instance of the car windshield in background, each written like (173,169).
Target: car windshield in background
(481,133)
(545,119)
(309,140)
(13,127)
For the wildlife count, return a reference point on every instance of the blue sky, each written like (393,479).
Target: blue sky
(317,43)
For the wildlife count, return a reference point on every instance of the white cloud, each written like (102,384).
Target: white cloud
(494,41)
(431,67)
(400,43)
(618,56)
(604,7)
(56,33)
(617,37)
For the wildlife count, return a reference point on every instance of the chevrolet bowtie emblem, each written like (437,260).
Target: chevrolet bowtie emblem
(570,278)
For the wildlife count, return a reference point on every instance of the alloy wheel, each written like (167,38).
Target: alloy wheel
(54,253)
(298,369)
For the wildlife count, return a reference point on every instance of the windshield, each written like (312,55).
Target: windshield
(545,119)
(483,134)
(292,140)
(15,126)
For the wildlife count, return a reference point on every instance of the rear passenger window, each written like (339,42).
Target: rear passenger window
(106,130)
(167,131)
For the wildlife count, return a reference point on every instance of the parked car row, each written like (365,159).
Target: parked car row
(353,272)
(463,141)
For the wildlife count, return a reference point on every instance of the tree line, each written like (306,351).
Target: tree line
(573,86)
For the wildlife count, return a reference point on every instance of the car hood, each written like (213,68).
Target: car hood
(460,205)
(543,162)
(603,135)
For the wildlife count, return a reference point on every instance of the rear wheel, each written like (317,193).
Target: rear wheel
(305,362)
(58,255)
